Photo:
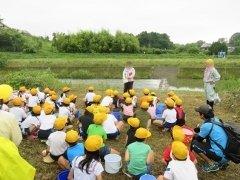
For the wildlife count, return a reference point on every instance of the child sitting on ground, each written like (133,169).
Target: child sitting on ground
(64,109)
(143,114)
(46,120)
(159,110)
(89,96)
(116,99)
(133,126)
(152,107)
(177,134)
(53,101)
(72,106)
(56,140)
(127,108)
(180,112)
(132,94)
(33,99)
(107,100)
(169,115)
(115,108)
(96,100)
(85,121)
(17,110)
(75,149)
(155,98)
(4,105)
(139,155)
(144,98)
(88,167)
(31,124)
(180,167)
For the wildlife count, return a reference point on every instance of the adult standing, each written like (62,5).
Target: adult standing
(211,76)
(128,76)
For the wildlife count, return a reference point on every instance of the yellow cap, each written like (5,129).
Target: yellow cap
(54,97)
(90,88)
(22,89)
(171,93)
(72,136)
(37,110)
(90,109)
(132,92)
(72,97)
(153,93)
(97,98)
(209,62)
(17,101)
(128,100)
(142,133)
(144,105)
(46,90)
(126,95)
(48,108)
(150,98)
(52,93)
(65,89)
(146,91)
(99,118)
(178,134)
(60,123)
(179,150)
(93,143)
(33,91)
(169,102)
(66,101)
(103,109)
(109,92)
(134,122)
(5,92)
(178,102)
(174,97)
(115,93)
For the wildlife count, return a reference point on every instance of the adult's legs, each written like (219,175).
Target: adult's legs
(131,85)
(210,103)
(125,87)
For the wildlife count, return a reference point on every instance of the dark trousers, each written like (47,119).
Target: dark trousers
(128,86)
(210,103)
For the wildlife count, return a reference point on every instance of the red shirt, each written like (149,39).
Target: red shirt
(167,152)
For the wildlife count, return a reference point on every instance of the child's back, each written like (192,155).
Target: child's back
(131,135)
(159,110)
(95,129)
(180,115)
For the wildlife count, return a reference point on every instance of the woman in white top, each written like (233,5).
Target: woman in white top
(128,76)
(211,76)
(88,167)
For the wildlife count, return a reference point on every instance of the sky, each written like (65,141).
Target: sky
(184,21)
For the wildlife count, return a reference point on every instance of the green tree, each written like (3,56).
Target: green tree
(235,39)
(217,47)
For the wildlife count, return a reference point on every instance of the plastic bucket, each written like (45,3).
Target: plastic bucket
(62,175)
(113,163)
(189,133)
(147,177)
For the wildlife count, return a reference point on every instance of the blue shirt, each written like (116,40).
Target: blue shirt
(159,110)
(217,134)
(117,115)
(74,151)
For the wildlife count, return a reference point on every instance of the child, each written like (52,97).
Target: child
(33,99)
(56,140)
(134,125)
(88,167)
(169,115)
(180,167)
(139,155)
(64,109)
(75,149)
(85,121)
(144,115)
(112,126)
(144,98)
(89,96)
(31,124)
(96,100)
(53,101)
(180,112)
(134,97)
(159,110)
(41,96)
(72,106)
(22,93)
(107,100)
(46,120)
(177,134)
(152,107)
(115,99)
(65,91)
(127,109)
(116,109)
(17,110)
(155,98)
(3,105)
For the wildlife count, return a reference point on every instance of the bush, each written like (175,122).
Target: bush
(3,61)
(32,79)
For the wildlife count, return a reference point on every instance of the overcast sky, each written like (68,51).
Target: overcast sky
(183,20)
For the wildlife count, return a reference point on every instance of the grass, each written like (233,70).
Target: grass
(31,150)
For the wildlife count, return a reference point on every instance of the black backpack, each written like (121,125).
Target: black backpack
(232,150)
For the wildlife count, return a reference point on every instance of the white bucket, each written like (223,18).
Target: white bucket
(113,163)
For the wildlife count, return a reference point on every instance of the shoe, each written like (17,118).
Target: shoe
(210,167)
(223,166)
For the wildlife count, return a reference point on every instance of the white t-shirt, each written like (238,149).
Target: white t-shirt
(72,107)
(19,113)
(134,101)
(179,170)
(48,99)
(89,96)
(41,95)
(5,108)
(47,121)
(109,124)
(56,142)
(95,169)
(33,101)
(107,101)
(170,115)
(30,120)
(64,111)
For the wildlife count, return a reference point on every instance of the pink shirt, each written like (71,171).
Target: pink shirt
(152,111)
(127,110)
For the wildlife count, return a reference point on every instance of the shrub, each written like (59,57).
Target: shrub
(3,61)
